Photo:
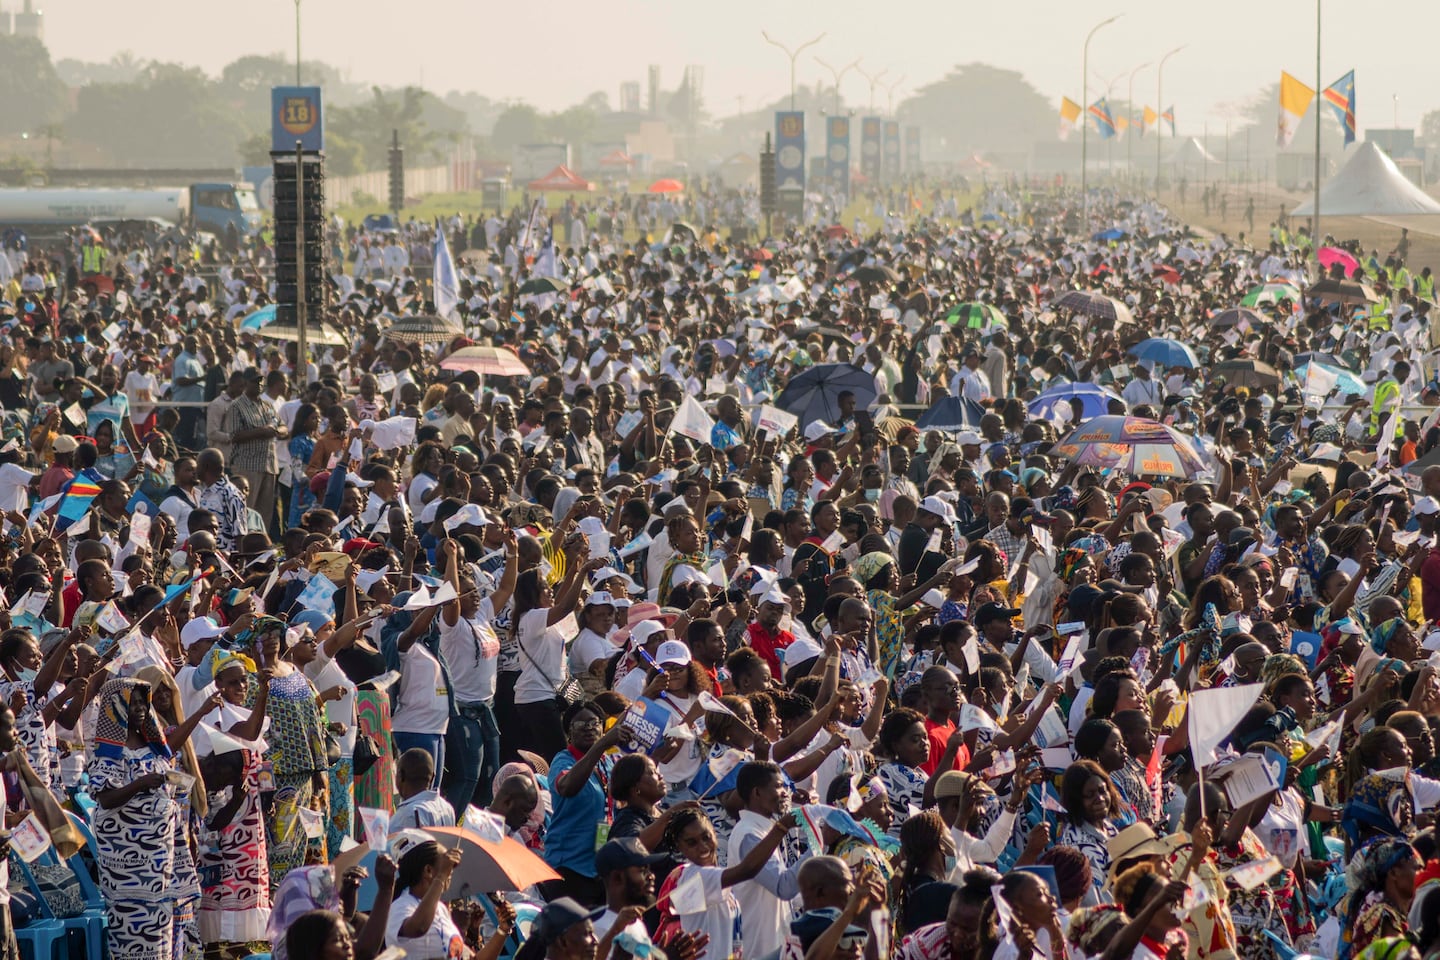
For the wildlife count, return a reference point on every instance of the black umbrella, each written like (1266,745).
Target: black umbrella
(1233,317)
(815,393)
(423,330)
(1094,305)
(878,273)
(951,415)
(1341,292)
(543,285)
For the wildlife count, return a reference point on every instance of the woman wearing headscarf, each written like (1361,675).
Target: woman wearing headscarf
(1383,885)
(308,889)
(134,823)
(878,573)
(189,807)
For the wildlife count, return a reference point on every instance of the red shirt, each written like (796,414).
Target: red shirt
(939,734)
(768,643)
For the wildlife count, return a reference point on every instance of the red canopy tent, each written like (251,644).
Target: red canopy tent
(616,159)
(561,178)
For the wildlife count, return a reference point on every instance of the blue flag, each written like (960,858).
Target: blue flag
(1341,97)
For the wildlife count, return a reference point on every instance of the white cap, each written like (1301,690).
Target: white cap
(472,514)
(600,598)
(201,628)
(672,652)
(968,438)
(938,507)
(606,574)
(1425,506)
(817,429)
(775,595)
(641,633)
(627,344)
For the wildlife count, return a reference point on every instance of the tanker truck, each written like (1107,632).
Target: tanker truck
(208,207)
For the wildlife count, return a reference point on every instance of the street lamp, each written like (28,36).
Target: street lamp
(297,43)
(792,54)
(836,75)
(890,95)
(1130,136)
(1160,110)
(874,80)
(1085,120)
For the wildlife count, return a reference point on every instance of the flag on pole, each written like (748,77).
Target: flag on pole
(1151,119)
(1122,124)
(1214,714)
(1101,116)
(447,283)
(1069,113)
(1341,97)
(76,499)
(1169,117)
(1295,99)
(692,421)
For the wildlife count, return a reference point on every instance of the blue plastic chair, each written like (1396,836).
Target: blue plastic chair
(95,921)
(44,937)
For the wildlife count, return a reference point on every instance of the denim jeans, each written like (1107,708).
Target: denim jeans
(473,745)
(431,743)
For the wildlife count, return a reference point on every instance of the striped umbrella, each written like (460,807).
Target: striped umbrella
(976,316)
(423,330)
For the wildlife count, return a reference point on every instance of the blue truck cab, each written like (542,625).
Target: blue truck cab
(216,207)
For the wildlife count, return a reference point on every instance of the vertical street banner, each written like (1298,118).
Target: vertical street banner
(295,115)
(890,171)
(912,150)
(789,150)
(837,153)
(870,149)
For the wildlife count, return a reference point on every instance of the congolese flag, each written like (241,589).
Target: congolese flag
(1341,97)
(1104,121)
(76,498)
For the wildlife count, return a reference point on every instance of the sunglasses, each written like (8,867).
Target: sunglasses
(854,941)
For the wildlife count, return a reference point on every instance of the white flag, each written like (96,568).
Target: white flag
(1214,713)
(692,421)
(447,284)
(1319,381)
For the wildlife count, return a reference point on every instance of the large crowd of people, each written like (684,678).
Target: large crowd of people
(1001,581)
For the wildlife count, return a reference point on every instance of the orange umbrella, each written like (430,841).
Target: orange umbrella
(667,186)
(486,866)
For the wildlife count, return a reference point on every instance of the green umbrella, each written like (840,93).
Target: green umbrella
(1270,293)
(976,316)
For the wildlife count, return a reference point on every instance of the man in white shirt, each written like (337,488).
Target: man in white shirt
(1143,390)
(765,908)
(971,382)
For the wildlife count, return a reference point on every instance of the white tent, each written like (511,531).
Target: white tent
(1190,153)
(1369,185)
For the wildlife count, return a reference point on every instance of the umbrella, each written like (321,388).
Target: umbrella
(1094,305)
(889,427)
(1166,274)
(724,349)
(815,393)
(260,318)
(976,316)
(537,285)
(667,186)
(1322,358)
(836,232)
(1114,233)
(1345,380)
(1166,353)
(1139,446)
(760,253)
(1270,293)
(1342,292)
(1246,373)
(1234,316)
(1329,256)
(951,415)
(878,273)
(496,361)
(1092,400)
(805,329)
(486,867)
(314,333)
(680,226)
(427,329)
(858,255)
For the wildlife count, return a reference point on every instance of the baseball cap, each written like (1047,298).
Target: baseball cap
(994,611)
(560,915)
(951,783)
(968,438)
(672,652)
(65,444)
(641,632)
(600,598)
(201,628)
(1425,506)
(817,429)
(624,853)
(938,507)
(403,841)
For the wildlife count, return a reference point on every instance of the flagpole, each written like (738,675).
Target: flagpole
(1315,220)
(1085,124)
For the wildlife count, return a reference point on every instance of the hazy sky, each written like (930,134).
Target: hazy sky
(554,52)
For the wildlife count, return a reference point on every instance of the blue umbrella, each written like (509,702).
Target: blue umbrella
(1166,353)
(815,393)
(951,415)
(260,318)
(1114,233)
(1347,381)
(1093,400)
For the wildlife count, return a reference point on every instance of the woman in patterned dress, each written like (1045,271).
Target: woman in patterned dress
(190,804)
(1091,805)
(134,825)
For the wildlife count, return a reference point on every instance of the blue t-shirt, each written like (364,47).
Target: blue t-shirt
(570,837)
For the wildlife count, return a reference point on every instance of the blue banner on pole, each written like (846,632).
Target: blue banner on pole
(789,149)
(837,153)
(295,114)
(891,168)
(870,149)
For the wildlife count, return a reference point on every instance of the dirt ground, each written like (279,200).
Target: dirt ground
(1374,233)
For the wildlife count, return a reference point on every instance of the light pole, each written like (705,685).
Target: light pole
(874,80)
(836,75)
(1130,137)
(1160,110)
(792,54)
(1319,92)
(890,95)
(1085,122)
(297,43)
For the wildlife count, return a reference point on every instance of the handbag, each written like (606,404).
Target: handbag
(366,755)
(567,693)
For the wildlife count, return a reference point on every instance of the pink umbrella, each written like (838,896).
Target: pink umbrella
(1333,255)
